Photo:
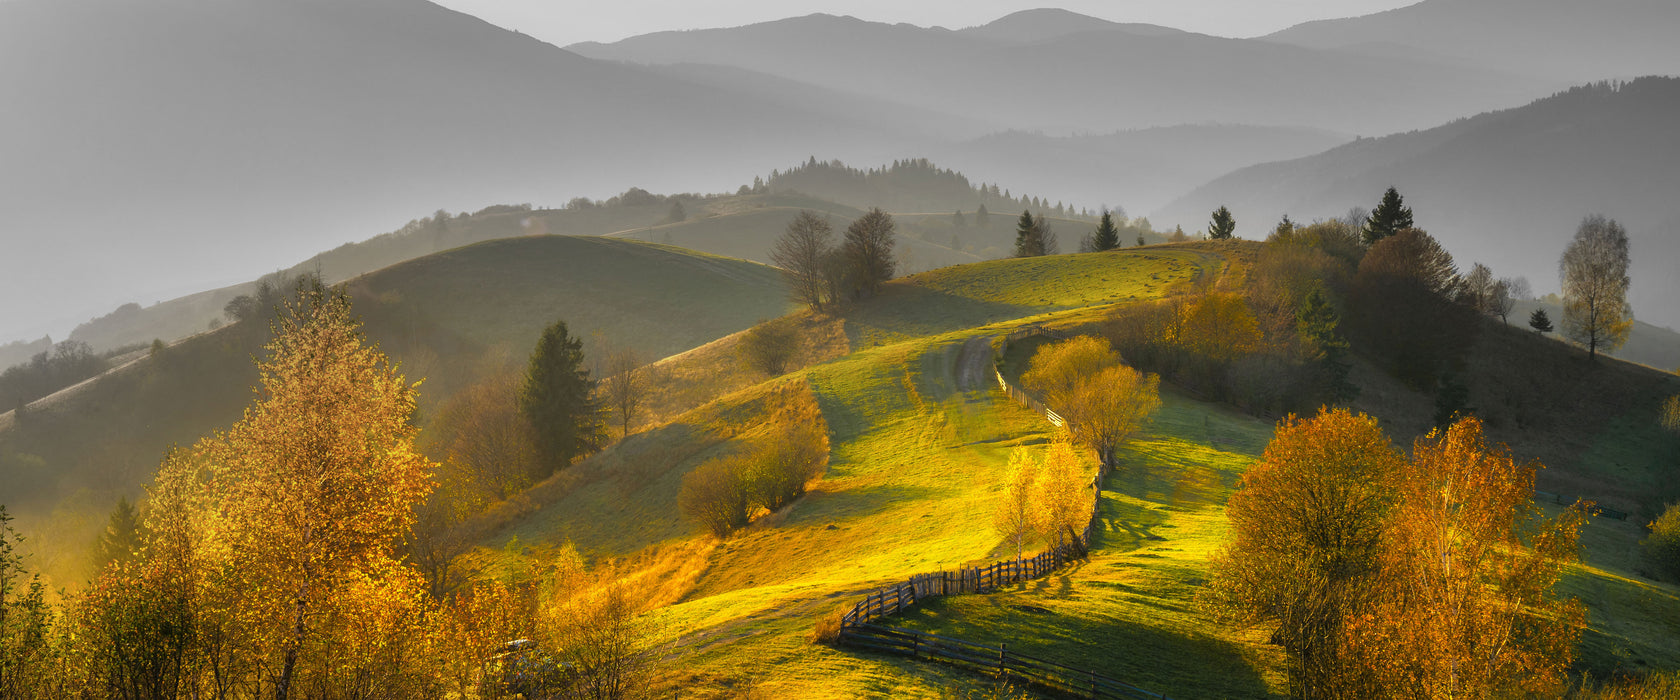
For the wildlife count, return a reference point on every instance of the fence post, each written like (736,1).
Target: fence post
(1003,659)
(1093,685)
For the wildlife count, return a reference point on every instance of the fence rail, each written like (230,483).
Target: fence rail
(1592,509)
(997,660)
(893,599)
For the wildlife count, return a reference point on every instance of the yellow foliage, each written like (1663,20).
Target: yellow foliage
(1103,401)
(1465,609)
(1215,326)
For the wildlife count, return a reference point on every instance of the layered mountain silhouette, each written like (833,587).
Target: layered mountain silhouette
(159,148)
(1139,170)
(1505,188)
(1060,71)
(1575,40)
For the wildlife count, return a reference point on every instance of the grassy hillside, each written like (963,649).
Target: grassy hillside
(915,469)
(446,318)
(1654,346)
(916,460)
(741,226)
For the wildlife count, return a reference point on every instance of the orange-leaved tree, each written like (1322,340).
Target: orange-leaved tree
(303,499)
(1306,537)
(1103,401)
(1466,608)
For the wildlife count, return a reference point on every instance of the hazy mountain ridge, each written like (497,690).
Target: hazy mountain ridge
(176,144)
(1139,170)
(1570,39)
(1028,26)
(1505,188)
(1099,79)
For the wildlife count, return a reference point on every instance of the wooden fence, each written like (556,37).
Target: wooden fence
(996,660)
(1027,400)
(893,599)
(857,626)
(1592,509)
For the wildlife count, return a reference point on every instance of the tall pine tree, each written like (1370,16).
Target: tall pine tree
(557,400)
(1107,236)
(1390,217)
(1223,226)
(1028,239)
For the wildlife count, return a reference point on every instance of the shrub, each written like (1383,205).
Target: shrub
(827,629)
(716,495)
(769,347)
(1662,546)
(778,471)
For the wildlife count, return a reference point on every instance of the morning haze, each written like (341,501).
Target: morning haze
(511,349)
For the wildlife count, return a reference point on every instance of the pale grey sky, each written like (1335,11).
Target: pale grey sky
(567,22)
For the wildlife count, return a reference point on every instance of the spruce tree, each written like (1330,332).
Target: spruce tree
(557,400)
(982,218)
(122,536)
(1223,226)
(1028,242)
(1107,237)
(1540,322)
(1390,217)
(1318,324)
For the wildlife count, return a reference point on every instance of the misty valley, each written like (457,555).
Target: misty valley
(1050,356)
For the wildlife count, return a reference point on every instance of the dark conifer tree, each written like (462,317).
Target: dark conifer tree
(557,400)
(1390,217)
(1223,226)
(1319,326)
(1107,236)
(1027,243)
(1540,322)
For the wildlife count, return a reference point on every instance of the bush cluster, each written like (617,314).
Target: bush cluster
(723,494)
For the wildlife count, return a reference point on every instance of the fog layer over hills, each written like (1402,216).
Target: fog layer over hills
(169,146)
(1049,71)
(1576,40)
(157,149)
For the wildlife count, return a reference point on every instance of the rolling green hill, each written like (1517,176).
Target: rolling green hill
(916,463)
(447,318)
(739,226)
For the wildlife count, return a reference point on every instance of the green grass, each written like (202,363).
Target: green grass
(446,318)
(915,469)
(967,296)
(1129,611)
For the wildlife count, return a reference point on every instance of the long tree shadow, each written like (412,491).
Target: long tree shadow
(1173,662)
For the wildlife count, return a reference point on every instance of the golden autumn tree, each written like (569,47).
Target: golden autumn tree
(1307,532)
(1103,401)
(306,496)
(1063,499)
(1466,608)
(1218,327)
(1013,518)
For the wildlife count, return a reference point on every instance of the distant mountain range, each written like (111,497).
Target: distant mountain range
(1057,71)
(158,149)
(1505,188)
(172,146)
(1574,40)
